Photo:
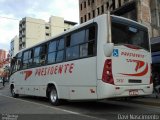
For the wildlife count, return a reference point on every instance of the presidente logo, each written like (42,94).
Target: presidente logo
(130,54)
(26,74)
(139,65)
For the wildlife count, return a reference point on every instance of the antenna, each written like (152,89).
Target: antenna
(109,26)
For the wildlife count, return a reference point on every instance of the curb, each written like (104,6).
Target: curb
(139,101)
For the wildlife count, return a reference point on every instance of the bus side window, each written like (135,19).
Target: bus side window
(52,52)
(60,50)
(19,64)
(88,48)
(43,53)
(92,41)
(30,58)
(19,61)
(25,59)
(72,51)
(78,38)
(84,50)
(13,61)
(36,56)
(91,33)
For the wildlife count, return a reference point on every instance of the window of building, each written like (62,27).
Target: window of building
(93,13)
(89,16)
(88,2)
(119,2)
(102,9)
(81,6)
(85,18)
(153,17)
(126,1)
(47,34)
(159,17)
(47,27)
(159,11)
(84,4)
(98,11)
(81,19)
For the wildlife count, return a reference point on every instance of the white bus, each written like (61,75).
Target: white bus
(106,57)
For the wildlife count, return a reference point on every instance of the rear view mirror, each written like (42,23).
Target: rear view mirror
(108,49)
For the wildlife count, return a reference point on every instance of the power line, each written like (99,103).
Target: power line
(45,23)
(9,18)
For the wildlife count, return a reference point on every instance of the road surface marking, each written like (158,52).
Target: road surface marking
(68,111)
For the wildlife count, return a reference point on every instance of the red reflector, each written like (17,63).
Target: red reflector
(92,91)
(117,88)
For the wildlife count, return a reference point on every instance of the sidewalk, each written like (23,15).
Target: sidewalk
(147,100)
(1,86)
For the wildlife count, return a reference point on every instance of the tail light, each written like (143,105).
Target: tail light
(107,75)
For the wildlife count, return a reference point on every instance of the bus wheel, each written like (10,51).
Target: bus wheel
(53,97)
(13,92)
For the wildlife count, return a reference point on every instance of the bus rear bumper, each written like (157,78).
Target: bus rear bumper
(105,90)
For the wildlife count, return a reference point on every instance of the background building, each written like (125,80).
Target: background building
(155,15)
(14,46)
(3,55)
(146,12)
(33,31)
(4,62)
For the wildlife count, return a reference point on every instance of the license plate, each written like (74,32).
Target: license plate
(133,92)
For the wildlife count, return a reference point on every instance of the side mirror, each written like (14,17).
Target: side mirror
(108,49)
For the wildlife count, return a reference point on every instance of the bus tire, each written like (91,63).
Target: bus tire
(53,97)
(13,92)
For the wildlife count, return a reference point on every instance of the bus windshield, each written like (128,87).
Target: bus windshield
(127,32)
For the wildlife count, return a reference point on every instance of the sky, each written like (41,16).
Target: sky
(12,11)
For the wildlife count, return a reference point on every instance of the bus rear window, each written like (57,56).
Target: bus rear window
(128,34)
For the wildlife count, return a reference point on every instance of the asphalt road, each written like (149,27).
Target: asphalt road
(32,108)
